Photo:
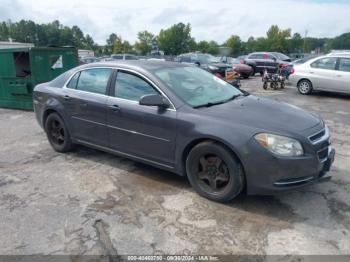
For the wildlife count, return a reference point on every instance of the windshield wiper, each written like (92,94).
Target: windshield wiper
(219,102)
(210,104)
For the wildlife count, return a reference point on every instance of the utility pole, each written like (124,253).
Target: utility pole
(305,41)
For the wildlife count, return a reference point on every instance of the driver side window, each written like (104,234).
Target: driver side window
(132,87)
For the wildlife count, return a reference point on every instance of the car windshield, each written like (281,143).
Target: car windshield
(208,59)
(196,86)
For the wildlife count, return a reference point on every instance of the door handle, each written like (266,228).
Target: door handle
(66,97)
(338,75)
(114,107)
(312,72)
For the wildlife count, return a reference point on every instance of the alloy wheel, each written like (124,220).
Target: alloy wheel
(304,87)
(56,132)
(213,173)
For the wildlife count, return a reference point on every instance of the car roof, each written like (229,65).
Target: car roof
(135,64)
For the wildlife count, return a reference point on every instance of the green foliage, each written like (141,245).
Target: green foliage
(121,46)
(211,47)
(235,45)
(176,39)
(340,42)
(173,41)
(50,34)
(145,43)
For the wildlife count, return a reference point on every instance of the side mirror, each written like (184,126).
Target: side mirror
(197,63)
(274,59)
(154,100)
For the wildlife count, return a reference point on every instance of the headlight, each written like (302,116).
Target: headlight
(280,145)
(213,67)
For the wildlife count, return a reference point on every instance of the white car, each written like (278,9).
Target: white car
(326,73)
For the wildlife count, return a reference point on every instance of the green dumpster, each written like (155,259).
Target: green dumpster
(23,68)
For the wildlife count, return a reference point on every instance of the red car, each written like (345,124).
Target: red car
(244,70)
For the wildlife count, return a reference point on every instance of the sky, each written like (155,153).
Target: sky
(210,19)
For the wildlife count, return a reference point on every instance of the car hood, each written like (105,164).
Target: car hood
(263,113)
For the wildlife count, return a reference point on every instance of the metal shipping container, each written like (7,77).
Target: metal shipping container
(23,68)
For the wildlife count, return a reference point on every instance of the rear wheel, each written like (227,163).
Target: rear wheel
(304,87)
(265,85)
(214,172)
(57,134)
(245,75)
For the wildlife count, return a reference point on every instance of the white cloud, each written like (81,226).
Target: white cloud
(210,20)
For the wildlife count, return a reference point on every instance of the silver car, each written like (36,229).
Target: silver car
(326,73)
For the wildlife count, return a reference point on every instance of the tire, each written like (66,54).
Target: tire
(305,87)
(245,75)
(253,71)
(214,172)
(58,134)
(282,85)
(265,85)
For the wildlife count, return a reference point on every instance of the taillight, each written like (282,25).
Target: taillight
(292,71)
(242,61)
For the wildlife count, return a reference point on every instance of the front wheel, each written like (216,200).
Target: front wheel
(304,87)
(57,134)
(214,172)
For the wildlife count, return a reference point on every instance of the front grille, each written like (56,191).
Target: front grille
(317,136)
(323,154)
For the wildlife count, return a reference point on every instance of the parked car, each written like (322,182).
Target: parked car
(244,70)
(212,64)
(124,57)
(270,61)
(327,73)
(185,120)
(90,59)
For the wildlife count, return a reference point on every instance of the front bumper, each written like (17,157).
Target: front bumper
(267,174)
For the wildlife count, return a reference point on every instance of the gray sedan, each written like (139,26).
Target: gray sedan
(185,120)
(327,73)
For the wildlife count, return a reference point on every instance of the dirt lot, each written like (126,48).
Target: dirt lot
(89,202)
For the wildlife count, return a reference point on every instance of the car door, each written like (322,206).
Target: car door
(343,75)
(85,104)
(147,132)
(322,73)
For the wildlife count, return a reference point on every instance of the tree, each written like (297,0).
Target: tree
(341,42)
(277,39)
(296,45)
(235,45)
(211,47)
(176,39)
(121,47)
(145,43)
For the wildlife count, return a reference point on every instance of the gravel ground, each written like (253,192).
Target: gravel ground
(90,202)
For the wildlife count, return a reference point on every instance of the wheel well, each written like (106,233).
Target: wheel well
(46,114)
(191,145)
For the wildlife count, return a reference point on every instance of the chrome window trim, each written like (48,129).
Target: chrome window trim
(122,153)
(173,108)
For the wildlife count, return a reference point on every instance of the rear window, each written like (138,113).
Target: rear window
(61,79)
(344,64)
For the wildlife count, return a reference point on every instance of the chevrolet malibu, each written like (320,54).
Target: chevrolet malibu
(185,120)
